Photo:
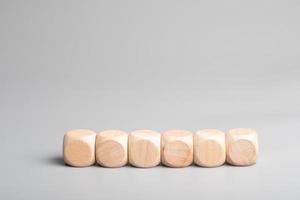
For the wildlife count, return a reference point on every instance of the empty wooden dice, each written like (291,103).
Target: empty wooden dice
(79,148)
(177,148)
(144,148)
(209,148)
(111,148)
(242,146)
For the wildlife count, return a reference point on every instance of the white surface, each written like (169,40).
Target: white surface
(155,65)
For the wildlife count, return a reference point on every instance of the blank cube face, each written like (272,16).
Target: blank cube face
(111,148)
(242,146)
(79,148)
(209,148)
(177,148)
(144,148)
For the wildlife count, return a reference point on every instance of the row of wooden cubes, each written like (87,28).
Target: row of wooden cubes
(173,148)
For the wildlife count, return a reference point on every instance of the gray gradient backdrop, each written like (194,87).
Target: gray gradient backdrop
(148,64)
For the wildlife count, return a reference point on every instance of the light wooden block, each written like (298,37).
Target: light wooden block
(111,148)
(177,148)
(144,148)
(209,148)
(79,148)
(242,146)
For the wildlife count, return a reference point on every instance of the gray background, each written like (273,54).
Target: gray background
(155,65)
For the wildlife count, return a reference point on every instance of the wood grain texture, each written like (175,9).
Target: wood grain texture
(111,148)
(242,146)
(209,148)
(79,147)
(144,148)
(177,148)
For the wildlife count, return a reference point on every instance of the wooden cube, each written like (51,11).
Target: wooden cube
(177,148)
(79,148)
(242,146)
(209,148)
(144,148)
(111,148)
